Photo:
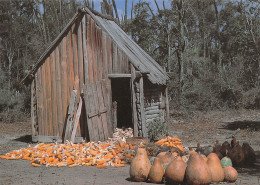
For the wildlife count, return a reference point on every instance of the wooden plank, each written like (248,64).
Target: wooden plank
(133,102)
(114,115)
(59,126)
(115,65)
(89,127)
(68,53)
(109,54)
(48,96)
(71,63)
(54,94)
(167,104)
(70,117)
(150,116)
(33,122)
(85,52)
(76,121)
(147,112)
(96,104)
(144,131)
(80,54)
(64,81)
(45,130)
(104,55)
(102,108)
(89,51)
(92,122)
(94,48)
(39,92)
(119,61)
(105,104)
(119,75)
(99,53)
(53,139)
(109,105)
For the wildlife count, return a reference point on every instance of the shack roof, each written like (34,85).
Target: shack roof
(137,56)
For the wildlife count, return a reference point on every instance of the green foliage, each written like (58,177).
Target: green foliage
(156,129)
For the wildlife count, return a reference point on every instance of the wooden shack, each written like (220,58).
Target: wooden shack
(120,84)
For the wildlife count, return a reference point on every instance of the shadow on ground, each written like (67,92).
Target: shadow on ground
(25,139)
(252,169)
(249,125)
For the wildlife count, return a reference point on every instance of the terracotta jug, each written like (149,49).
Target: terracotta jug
(156,172)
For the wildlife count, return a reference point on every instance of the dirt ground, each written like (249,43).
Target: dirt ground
(200,127)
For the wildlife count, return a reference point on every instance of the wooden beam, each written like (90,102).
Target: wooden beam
(71,111)
(76,122)
(144,131)
(33,111)
(119,75)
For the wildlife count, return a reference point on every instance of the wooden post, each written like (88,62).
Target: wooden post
(71,111)
(133,100)
(114,115)
(167,104)
(144,132)
(76,122)
(33,108)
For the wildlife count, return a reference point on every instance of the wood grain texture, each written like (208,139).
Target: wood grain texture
(44,110)
(54,94)
(59,126)
(133,102)
(144,130)
(33,111)
(39,95)
(89,50)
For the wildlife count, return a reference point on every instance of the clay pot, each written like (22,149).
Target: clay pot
(225,147)
(140,166)
(236,154)
(225,161)
(156,172)
(204,157)
(166,158)
(249,153)
(197,171)
(230,174)
(217,172)
(175,171)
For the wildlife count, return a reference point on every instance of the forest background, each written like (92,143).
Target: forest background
(210,48)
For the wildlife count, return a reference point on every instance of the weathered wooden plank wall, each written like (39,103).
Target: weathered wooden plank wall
(88,54)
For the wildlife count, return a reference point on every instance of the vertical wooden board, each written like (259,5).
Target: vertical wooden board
(100,107)
(68,40)
(109,105)
(81,74)
(167,104)
(59,126)
(119,61)
(44,107)
(54,94)
(64,81)
(89,50)
(85,52)
(71,63)
(104,55)
(133,101)
(33,94)
(143,121)
(92,109)
(96,105)
(109,54)
(89,127)
(48,96)
(105,108)
(80,57)
(115,65)
(94,49)
(100,55)
(39,101)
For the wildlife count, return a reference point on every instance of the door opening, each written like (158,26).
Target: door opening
(121,93)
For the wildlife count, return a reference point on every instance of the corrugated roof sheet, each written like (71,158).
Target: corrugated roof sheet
(137,56)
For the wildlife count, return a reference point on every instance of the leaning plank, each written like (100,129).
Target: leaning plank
(44,110)
(71,111)
(76,122)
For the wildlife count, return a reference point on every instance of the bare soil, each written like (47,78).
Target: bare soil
(200,127)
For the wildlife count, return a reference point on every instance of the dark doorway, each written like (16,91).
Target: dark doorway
(121,93)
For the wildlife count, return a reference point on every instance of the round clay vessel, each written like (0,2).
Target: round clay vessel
(217,172)
(230,174)
(140,166)
(197,171)
(175,171)
(156,172)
